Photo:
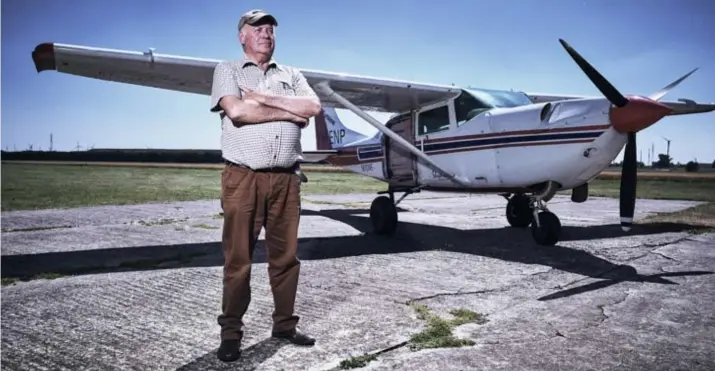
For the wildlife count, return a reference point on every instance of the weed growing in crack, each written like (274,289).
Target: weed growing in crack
(357,362)
(205,226)
(438,333)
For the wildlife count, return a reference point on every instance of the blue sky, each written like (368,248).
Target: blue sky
(509,44)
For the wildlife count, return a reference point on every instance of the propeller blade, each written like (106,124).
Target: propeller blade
(629,177)
(608,90)
(660,94)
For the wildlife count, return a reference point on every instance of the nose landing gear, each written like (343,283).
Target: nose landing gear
(524,211)
(545,225)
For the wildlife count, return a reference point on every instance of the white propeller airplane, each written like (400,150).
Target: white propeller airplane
(524,146)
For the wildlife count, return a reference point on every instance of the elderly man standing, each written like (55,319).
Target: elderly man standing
(263,107)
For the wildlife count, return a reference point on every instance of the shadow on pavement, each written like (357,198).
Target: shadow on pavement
(508,244)
(251,358)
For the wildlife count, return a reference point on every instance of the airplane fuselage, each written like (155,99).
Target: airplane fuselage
(495,148)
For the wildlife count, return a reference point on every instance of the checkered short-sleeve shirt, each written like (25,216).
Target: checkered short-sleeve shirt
(272,144)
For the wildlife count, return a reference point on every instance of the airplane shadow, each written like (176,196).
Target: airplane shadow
(507,244)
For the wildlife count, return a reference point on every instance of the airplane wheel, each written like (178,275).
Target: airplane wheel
(383,215)
(518,212)
(549,232)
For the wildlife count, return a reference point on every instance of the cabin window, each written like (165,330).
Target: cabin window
(466,107)
(434,120)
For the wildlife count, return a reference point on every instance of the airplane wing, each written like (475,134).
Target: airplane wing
(682,107)
(194,75)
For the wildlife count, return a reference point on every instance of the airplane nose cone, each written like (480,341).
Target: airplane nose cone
(638,114)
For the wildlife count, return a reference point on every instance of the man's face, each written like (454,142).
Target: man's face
(258,38)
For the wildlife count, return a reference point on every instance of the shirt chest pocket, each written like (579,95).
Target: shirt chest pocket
(282,85)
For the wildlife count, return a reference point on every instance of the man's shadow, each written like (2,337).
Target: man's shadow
(251,357)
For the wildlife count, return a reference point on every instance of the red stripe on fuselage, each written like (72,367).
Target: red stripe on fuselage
(510,145)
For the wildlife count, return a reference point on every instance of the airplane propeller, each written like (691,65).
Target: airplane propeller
(631,114)
(608,90)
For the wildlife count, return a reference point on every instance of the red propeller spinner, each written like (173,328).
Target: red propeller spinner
(638,114)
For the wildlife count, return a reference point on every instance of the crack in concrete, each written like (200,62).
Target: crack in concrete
(654,246)
(551,269)
(557,333)
(602,307)
(688,237)
(457,293)
(664,256)
(604,316)
(666,243)
(460,292)
(391,348)
(369,356)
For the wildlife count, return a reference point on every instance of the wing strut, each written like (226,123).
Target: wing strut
(328,91)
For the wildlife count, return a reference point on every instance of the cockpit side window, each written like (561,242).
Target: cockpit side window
(434,120)
(466,107)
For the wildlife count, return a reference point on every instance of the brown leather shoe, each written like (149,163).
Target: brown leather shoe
(295,336)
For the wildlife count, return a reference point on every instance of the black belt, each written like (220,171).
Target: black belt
(290,169)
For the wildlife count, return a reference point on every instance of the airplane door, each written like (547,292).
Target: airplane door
(400,167)
(491,174)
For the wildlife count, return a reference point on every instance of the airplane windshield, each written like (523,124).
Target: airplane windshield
(473,102)
(500,98)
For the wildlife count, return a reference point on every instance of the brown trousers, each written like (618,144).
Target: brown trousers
(251,200)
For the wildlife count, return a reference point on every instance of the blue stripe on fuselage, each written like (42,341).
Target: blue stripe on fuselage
(476,143)
(372,152)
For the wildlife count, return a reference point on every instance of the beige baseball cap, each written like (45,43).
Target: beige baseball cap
(255,15)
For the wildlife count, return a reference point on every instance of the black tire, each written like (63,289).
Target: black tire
(383,215)
(549,232)
(518,212)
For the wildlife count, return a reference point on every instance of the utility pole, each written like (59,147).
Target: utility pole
(667,151)
(652,152)
(51,143)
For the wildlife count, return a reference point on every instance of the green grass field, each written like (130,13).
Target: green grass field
(35,186)
(40,186)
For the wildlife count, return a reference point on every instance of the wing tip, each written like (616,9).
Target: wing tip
(44,57)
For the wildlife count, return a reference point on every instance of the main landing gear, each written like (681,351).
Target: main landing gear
(523,211)
(383,211)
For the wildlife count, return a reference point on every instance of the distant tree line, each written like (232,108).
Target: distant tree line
(213,156)
(666,162)
(119,155)
(185,156)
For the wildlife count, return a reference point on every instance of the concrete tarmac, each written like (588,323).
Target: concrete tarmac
(139,288)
